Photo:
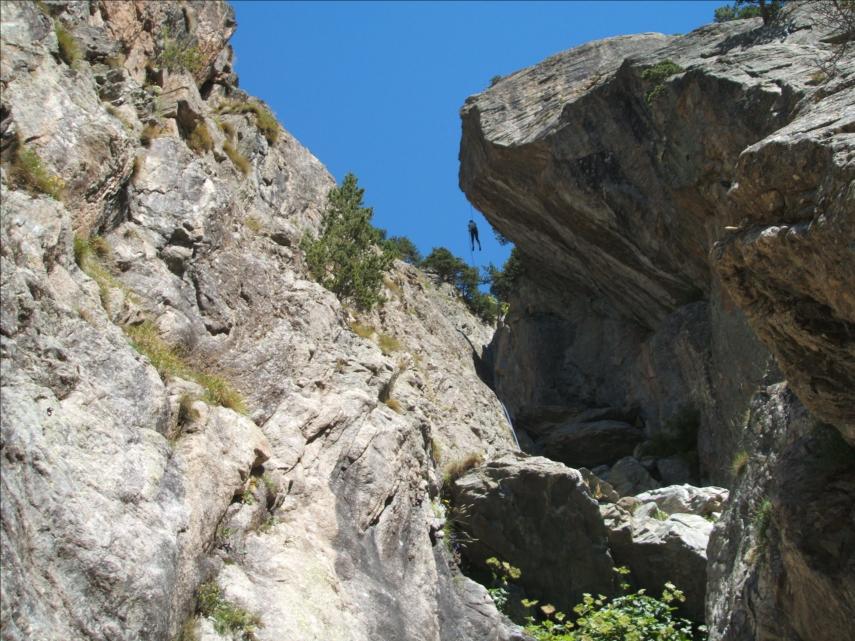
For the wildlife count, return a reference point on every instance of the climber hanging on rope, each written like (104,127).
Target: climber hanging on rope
(473,235)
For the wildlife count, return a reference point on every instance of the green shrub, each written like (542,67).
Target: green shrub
(180,54)
(405,249)
(238,159)
(28,172)
(634,616)
(200,140)
(264,118)
(465,280)
(741,9)
(504,281)
(657,74)
(228,618)
(69,50)
(502,574)
(348,258)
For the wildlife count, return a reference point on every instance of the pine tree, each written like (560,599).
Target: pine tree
(350,256)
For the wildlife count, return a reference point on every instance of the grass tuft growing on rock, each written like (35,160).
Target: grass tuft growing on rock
(27,171)
(364,331)
(455,469)
(739,463)
(264,118)
(200,140)
(69,50)
(91,254)
(388,344)
(238,159)
(228,618)
(394,405)
(762,519)
(169,360)
(180,53)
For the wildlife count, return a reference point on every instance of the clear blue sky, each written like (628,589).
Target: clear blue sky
(375,87)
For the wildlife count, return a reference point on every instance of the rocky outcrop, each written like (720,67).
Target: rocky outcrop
(162,282)
(539,516)
(684,210)
(780,562)
(616,185)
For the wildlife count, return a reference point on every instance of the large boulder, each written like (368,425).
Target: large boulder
(538,515)
(660,550)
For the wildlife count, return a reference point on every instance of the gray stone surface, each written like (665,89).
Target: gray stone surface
(780,558)
(657,551)
(674,242)
(629,477)
(313,511)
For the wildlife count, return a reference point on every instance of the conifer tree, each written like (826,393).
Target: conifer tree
(350,256)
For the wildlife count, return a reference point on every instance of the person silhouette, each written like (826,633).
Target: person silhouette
(473,235)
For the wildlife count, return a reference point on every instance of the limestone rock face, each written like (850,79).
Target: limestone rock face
(126,484)
(684,209)
(781,546)
(616,187)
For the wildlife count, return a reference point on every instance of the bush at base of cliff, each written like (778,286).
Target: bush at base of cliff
(632,617)
(349,257)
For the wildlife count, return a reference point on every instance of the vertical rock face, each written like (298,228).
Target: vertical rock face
(126,482)
(684,206)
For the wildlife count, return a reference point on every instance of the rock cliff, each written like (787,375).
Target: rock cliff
(189,423)
(684,206)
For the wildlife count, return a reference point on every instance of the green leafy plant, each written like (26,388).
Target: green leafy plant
(502,574)
(349,257)
(630,617)
(657,74)
(69,50)
(762,519)
(741,9)
(227,617)
(503,281)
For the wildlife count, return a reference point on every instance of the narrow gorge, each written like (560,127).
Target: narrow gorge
(201,443)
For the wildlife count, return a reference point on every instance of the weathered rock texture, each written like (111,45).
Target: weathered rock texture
(123,488)
(617,195)
(675,233)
